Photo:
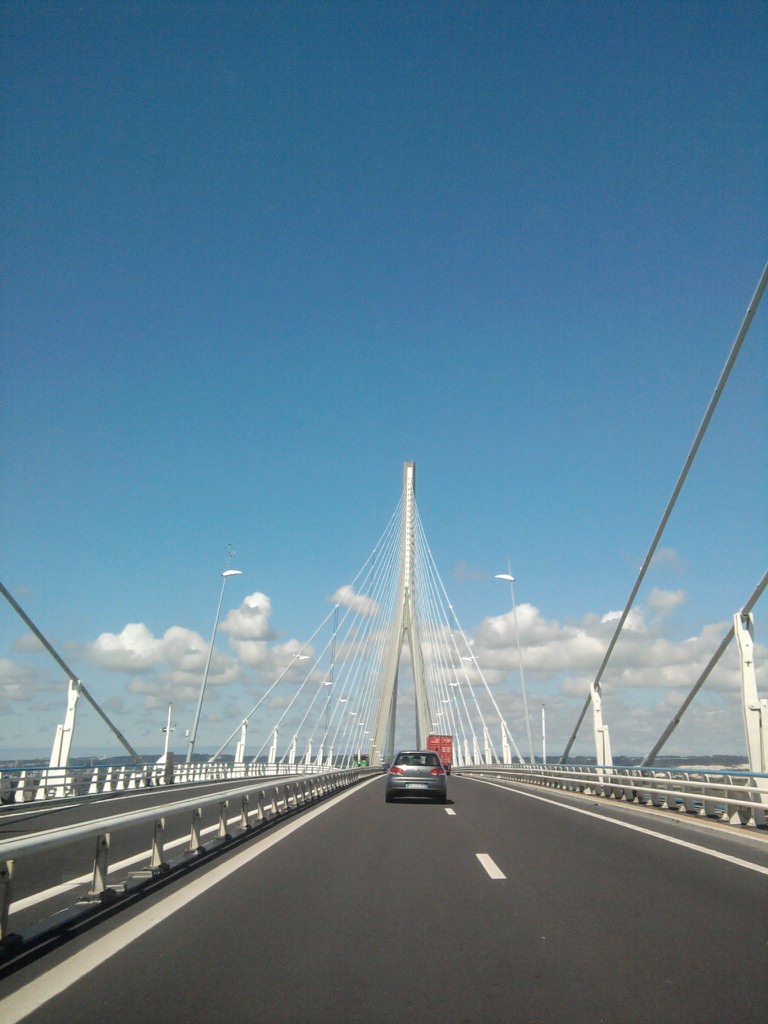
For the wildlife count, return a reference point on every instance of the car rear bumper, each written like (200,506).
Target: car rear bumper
(434,789)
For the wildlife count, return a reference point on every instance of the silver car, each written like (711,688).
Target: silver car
(417,773)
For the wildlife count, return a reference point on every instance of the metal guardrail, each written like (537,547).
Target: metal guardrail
(738,798)
(258,805)
(25,785)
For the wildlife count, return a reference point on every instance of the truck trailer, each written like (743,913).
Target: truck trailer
(443,747)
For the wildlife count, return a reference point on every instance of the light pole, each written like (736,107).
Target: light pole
(511,580)
(543,733)
(193,734)
(167,730)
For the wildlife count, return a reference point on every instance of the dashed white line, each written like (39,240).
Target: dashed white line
(450,810)
(493,869)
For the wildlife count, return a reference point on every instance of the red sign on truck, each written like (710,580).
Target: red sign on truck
(443,747)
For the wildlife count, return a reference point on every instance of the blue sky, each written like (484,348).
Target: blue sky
(259,255)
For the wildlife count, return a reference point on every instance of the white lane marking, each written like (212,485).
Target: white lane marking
(636,828)
(10,816)
(493,870)
(450,810)
(35,994)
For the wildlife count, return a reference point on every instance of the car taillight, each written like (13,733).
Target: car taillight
(394,770)
(437,771)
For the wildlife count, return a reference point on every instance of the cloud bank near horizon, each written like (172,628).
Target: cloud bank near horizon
(646,680)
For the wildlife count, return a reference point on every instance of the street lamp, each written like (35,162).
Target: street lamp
(543,733)
(193,734)
(511,580)
(168,729)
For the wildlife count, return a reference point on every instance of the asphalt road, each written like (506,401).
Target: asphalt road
(361,911)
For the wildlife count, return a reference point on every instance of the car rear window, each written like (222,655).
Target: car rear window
(427,760)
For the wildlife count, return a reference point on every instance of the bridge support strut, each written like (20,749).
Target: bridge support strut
(755,708)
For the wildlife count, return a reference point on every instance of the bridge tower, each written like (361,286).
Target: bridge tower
(405,622)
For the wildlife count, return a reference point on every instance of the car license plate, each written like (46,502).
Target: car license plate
(416,785)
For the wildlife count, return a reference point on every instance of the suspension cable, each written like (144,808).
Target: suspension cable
(729,363)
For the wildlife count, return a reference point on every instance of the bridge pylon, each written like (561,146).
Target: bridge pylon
(405,622)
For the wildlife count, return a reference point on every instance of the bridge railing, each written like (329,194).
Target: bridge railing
(257,805)
(25,785)
(739,798)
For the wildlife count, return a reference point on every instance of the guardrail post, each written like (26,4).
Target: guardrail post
(156,860)
(194,835)
(244,812)
(223,834)
(100,865)
(6,885)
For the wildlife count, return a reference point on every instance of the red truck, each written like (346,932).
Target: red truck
(443,747)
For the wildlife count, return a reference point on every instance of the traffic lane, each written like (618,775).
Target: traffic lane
(746,842)
(286,936)
(374,912)
(624,921)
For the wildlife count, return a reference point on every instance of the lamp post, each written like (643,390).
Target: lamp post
(167,730)
(193,734)
(511,580)
(543,733)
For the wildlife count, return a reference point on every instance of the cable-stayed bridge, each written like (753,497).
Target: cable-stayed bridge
(338,693)
(279,886)
(274,883)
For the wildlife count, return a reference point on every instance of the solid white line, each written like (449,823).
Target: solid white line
(493,870)
(28,813)
(36,993)
(635,828)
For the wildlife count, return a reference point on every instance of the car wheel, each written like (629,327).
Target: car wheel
(389,798)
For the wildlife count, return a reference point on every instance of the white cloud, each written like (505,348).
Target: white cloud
(360,603)
(667,557)
(165,669)
(646,680)
(22,683)
(131,650)
(170,668)
(633,622)
(250,622)
(644,683)
(665,601)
